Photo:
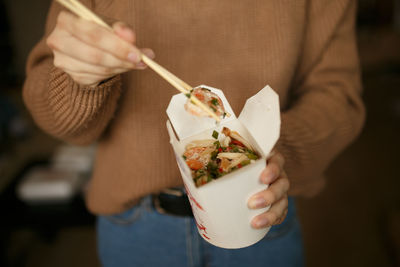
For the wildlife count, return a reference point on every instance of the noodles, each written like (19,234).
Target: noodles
(211,158)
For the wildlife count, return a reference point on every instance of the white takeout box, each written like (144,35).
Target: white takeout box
(220,207)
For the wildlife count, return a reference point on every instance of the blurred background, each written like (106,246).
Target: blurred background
(355,221)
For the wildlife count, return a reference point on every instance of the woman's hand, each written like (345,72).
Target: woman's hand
(90,53)
(275,195)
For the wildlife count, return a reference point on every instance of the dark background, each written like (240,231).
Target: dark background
(355,221)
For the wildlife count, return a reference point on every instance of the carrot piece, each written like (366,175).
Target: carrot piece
(194,164)
(199,95)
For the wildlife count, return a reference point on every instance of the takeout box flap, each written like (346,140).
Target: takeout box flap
(261,117)
(186,124)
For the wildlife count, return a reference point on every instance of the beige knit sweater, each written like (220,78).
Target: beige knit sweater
(304,49)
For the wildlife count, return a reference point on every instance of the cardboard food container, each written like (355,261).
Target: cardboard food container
(220,206)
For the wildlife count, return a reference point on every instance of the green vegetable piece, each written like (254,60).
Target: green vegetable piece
(234,148)
(199,173)
(217,144)
(214,154)
(212,169)
(188,95)
(252,156)
(215,134)
(245,162)
(215,102)
(197,177)
(184,157)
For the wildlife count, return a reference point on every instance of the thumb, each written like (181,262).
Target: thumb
(124,32)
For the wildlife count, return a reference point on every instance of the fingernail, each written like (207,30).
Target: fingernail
(261,222)
(134,57)
(126,29)
(129,32)
(151,54)
(257,202)
(141,64)
(122,27)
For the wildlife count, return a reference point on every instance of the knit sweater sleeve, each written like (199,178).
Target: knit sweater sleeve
(61,107)
(326,112)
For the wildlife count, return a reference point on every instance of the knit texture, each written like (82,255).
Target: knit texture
(305,50)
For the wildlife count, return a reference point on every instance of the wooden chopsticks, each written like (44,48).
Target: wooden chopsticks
(79,9)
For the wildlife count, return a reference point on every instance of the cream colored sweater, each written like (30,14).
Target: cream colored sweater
(305,50)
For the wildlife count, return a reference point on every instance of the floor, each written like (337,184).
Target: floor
(355,221)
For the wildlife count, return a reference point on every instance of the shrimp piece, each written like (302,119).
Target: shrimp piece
(197,157)
(236,136)
(193,152)
(210,99)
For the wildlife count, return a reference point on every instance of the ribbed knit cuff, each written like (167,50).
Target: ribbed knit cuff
(73,105)
(63,88)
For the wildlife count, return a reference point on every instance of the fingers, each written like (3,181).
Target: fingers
(92,56)
(274,175)
(69,45)
(90,53)
(148,52)
(100,37)
(70,64)
(275,215)
(274,193)
(124,32)
(274,168)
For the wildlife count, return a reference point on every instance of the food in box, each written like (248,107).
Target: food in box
(210,159)
(220,207)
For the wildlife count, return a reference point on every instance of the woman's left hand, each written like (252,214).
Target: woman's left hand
(275,195)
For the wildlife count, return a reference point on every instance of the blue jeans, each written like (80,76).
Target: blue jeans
(143,237)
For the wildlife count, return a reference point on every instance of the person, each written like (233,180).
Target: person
(86,84)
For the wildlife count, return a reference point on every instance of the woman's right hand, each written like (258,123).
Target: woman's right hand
(90,53)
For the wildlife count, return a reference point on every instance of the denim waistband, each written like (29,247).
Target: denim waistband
(145,204)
